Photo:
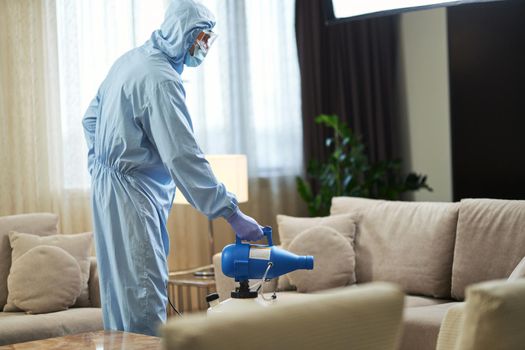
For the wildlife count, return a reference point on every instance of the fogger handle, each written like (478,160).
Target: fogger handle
(267,231)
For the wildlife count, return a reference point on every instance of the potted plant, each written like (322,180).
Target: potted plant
(348,172)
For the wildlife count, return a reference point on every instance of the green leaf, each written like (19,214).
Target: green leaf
(347,171)
(304,189)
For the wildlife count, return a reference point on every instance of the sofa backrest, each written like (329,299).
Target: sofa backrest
(408,243)
(41,223)
(490,241)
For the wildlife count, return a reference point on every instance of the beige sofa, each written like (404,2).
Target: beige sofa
(17,327)
(319,322)
(432,250)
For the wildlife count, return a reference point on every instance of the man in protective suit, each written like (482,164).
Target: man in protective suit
(141,147)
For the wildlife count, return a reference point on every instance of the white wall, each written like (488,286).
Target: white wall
(424,101)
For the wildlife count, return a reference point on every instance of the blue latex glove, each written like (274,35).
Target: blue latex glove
(245,227)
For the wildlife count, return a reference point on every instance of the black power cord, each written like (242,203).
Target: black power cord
(174,308)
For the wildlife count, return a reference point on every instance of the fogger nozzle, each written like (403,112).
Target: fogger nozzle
(307,263)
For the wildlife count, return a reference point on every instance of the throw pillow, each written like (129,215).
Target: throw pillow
(290,227)
(334,260)
(43,224)
(44,279)
(519,271)
(78,245)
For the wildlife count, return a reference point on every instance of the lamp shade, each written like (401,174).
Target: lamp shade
(231,170)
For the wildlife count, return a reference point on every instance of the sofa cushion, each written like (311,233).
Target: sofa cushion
(78,245)
(290,227)
(408,243)
(417,301)
(490,241)
(17,327)
(353,205)
(421,326)
(334,260)
(44,224)
(44,279)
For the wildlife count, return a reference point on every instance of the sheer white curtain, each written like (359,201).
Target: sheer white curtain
(243,99)
(85,37)
(53,55)
(91,36)
(21,73)
(29,136)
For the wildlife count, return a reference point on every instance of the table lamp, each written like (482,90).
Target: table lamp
(232,171)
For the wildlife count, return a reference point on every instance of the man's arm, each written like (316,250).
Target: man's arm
(169,127)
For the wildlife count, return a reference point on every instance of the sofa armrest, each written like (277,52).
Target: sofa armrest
(93,283)
(451,327)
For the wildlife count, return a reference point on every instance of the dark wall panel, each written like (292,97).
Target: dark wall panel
(487,99)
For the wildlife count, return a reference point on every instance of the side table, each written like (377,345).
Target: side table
(188,292)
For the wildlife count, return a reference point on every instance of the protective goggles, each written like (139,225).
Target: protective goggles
(205,40)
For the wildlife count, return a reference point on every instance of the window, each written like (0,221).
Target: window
(245,98)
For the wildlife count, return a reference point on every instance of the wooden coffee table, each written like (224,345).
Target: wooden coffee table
(102,340)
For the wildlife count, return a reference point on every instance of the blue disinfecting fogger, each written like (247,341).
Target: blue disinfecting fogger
(244,261)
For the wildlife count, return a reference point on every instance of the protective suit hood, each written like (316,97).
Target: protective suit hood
(184,20)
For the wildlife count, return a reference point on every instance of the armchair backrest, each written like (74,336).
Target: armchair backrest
(492,317)
(364,317)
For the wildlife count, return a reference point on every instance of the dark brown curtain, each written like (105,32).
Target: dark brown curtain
(348,69)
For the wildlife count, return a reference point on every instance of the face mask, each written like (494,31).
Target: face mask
(201,47)
(196,59)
